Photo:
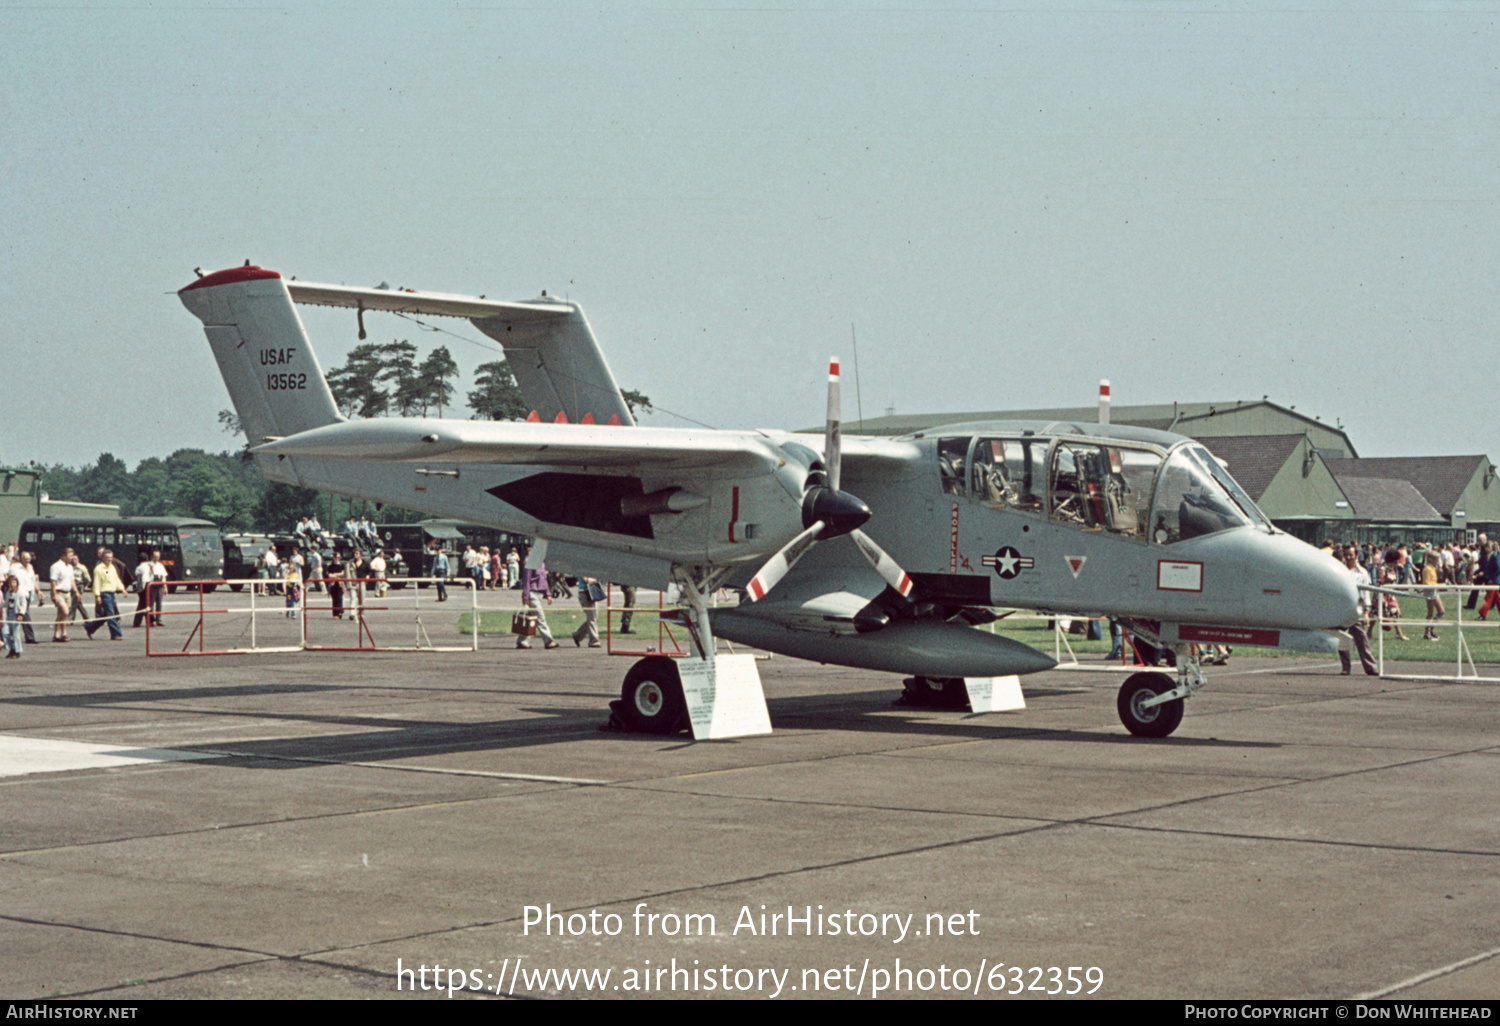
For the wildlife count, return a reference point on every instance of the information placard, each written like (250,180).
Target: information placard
(724,697)
(995,694)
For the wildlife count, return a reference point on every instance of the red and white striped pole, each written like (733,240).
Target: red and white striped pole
(1104,401)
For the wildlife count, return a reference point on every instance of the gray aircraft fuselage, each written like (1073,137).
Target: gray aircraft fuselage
(959,547)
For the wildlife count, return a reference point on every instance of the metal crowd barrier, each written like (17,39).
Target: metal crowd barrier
(1462,655)
(256,636)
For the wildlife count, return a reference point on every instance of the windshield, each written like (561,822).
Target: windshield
(1247,505)
(1193,499)
(199,540)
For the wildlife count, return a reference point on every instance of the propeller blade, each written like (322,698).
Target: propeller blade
(832,438)
(884,565)
(780,564)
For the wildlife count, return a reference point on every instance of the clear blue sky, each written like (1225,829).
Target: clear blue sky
(1197,201)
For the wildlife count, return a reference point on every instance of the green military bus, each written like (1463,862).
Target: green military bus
(190,549)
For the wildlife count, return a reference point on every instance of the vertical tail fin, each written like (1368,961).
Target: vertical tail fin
(271,372)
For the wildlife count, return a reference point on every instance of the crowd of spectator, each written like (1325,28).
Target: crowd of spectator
(323,561)
(109,579)
(1429,565)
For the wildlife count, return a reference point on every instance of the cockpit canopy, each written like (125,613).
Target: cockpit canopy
(1134,491)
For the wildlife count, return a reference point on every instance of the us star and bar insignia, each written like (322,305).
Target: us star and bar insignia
(1008,562)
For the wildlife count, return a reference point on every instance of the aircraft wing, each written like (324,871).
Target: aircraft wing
(414,440)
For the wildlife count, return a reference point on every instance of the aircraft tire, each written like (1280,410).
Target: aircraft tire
(209,589)
(937,692)
(1157,721)
(651,699)
(236,588)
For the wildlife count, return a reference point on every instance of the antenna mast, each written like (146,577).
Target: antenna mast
(858,399)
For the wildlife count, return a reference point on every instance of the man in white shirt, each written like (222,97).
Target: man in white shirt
(64,579)
(1358,632)
(273,569)
(22,570)
(377,571)
(152,569)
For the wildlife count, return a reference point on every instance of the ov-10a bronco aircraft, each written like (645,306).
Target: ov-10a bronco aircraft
(947,525)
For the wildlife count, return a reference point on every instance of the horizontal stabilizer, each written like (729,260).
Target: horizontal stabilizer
(548,343)
(431,304)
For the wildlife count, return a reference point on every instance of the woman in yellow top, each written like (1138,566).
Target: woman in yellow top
(1430,593)
(293,589)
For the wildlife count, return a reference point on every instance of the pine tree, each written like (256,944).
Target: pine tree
(497,396)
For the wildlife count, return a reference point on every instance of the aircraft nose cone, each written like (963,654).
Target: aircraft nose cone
(841,511)
(1311,590)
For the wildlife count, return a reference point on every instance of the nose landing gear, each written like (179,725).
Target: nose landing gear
(1150,705)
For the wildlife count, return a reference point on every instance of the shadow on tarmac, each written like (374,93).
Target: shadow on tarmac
(385,738)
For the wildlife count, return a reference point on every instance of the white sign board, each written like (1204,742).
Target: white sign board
(995,694)
(1174,576)
(724,697)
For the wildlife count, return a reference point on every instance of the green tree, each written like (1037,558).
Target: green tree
(356,385)
(210,494)
(107,481)
(496,395)
(636,402)
(283,505)
(399,368)
(151,490)
(62,483)
(434,374)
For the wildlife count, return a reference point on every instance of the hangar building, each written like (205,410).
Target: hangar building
(21,497)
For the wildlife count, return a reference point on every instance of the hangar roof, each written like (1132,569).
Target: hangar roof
(1439,479)
(1386,498)
(1254,460)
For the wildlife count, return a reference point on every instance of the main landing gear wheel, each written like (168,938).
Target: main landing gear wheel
(651,699)
(934,693)
(1156,721)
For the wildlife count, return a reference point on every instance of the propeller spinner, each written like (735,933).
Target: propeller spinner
(828,513)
